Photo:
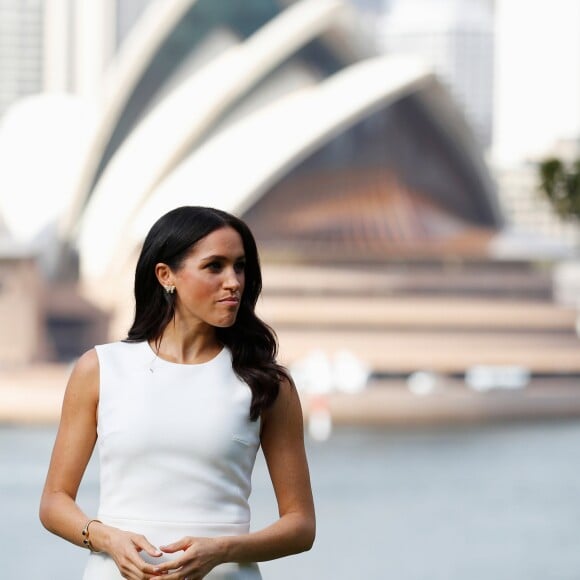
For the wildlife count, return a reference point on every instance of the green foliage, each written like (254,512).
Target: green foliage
(561,184)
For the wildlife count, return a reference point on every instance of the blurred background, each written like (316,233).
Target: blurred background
(411,171)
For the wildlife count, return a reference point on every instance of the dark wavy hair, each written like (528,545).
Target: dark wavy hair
(252,342)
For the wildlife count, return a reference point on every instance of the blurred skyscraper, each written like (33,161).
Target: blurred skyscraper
(80,39)
(60,45)
(456,38)
(21,69)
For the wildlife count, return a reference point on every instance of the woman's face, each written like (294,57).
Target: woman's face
(210,281)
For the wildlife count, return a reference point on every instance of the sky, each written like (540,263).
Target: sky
(537,94)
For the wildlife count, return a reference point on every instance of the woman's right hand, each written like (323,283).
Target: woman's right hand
(124,547)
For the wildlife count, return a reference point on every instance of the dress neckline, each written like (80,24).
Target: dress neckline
(158,360)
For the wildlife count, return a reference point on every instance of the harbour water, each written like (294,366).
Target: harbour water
(500,502)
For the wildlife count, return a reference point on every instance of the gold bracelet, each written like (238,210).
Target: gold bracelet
(86,538)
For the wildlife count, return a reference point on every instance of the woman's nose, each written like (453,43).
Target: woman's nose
(232,281)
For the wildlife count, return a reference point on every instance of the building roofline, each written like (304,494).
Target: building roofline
(324,111)
(162,140)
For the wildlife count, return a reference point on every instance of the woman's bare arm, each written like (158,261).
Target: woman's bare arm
(75,441)
(74,445)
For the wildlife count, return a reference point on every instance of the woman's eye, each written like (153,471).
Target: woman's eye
(240,266)
(214,266)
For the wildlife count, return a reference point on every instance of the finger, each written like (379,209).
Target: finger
(142,543)
(181,544)
(173,567)
(141,567)
(181,575)
(152,570)
(132,571)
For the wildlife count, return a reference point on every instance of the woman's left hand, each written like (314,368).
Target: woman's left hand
(200,556)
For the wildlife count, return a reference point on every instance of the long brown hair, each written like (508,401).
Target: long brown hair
(252,342)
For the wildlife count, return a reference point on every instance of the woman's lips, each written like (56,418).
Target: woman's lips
(230,300)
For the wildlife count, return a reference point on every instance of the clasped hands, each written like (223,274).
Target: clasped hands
(200,556)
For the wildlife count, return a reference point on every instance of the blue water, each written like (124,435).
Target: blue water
(485,503)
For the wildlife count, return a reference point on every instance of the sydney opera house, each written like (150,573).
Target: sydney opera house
(275,111)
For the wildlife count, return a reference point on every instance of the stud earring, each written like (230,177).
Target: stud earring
(169,289)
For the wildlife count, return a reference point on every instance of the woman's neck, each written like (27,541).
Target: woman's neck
(187,345)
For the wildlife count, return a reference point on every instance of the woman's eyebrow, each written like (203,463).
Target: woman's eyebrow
(219,257)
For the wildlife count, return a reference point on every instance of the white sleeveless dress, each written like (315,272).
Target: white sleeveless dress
(176,451)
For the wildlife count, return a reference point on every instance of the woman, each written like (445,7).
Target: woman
(180,408)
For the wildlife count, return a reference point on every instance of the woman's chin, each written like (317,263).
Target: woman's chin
(225,322)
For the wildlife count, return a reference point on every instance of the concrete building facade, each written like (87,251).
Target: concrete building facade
(21,49)
(455,38)
(22,336)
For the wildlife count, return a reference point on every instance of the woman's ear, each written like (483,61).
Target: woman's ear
(164,274)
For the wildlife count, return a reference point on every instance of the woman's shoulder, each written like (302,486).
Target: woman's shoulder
(287,399)
(87,363)
(123,354)
(84,378)
(118,346)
